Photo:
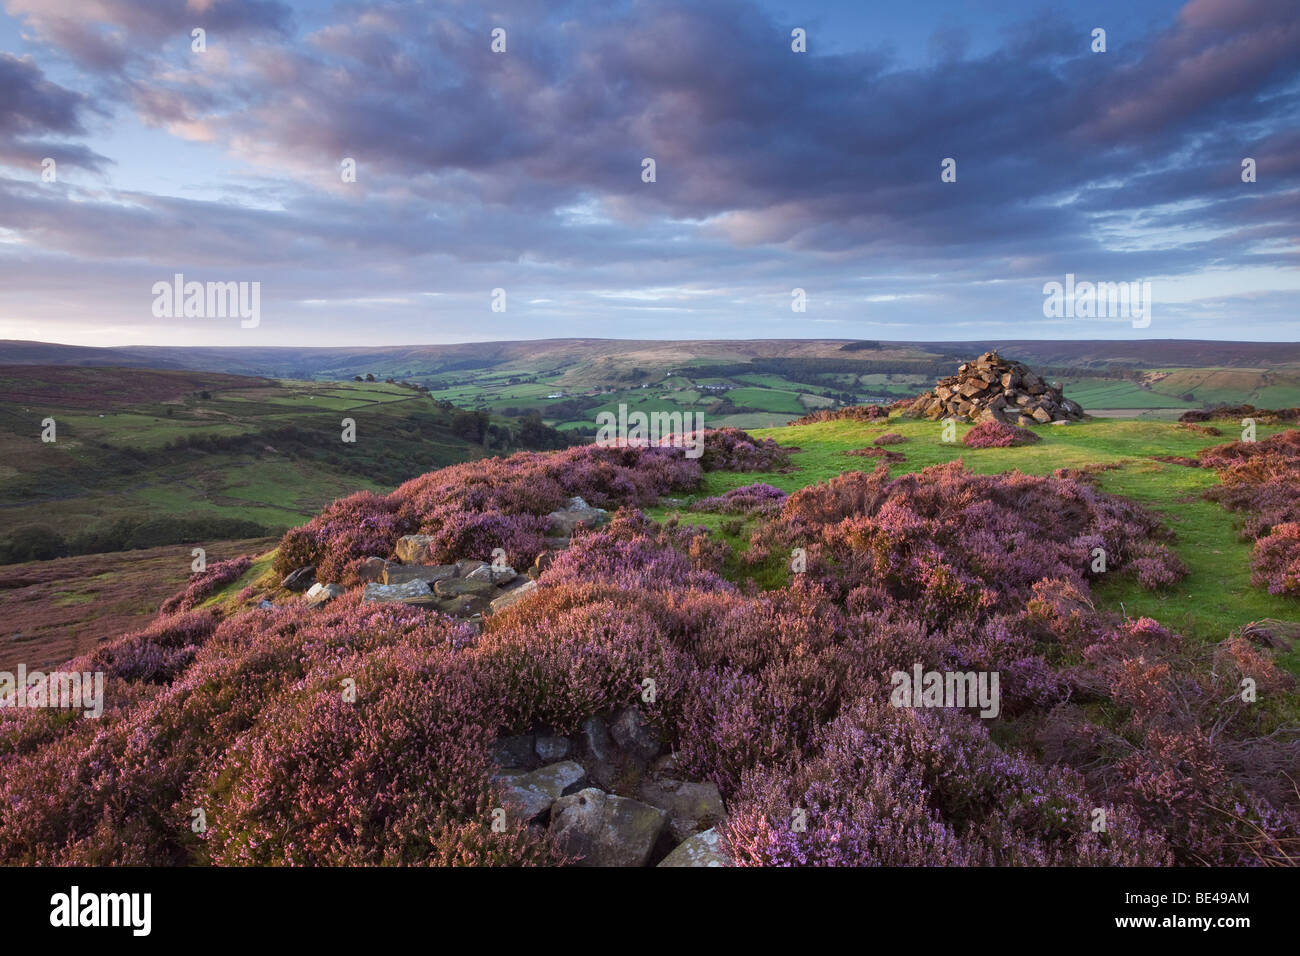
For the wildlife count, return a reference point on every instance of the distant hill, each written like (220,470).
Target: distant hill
(584,358)
(1138,354)
(744,383)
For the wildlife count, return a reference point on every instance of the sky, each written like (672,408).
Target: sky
(504,195)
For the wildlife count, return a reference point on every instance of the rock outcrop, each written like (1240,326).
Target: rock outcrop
(605,797)
(529,795)
(468,589)
(992,388)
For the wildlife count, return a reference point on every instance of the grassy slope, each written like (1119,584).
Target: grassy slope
(77,481)
(56,610)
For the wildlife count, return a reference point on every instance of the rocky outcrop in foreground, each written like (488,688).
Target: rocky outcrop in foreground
(609,798)
(992,388)
(607,794)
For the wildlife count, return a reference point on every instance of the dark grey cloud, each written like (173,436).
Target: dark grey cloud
(32,110)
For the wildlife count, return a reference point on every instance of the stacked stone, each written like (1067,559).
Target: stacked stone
(992,388)
(468,589)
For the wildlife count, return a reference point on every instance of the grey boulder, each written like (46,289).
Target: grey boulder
(551,748)
(319,594)
(528,796)
(429,573)
(634,735)
(606,830)
(300,580)
(414,548)
(703,849)
(491,574)
(691,807)
(513,596)
(414,593)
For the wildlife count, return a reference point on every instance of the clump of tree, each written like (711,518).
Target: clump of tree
(37,542)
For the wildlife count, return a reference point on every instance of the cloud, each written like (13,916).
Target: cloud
(32,109)
(109,35)
(774,169)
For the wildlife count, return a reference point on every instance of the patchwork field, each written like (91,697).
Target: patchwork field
(1163,393)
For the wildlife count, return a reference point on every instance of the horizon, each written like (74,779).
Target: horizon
(133,152)
(991,341)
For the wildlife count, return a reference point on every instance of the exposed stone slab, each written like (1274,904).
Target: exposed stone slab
(703,849)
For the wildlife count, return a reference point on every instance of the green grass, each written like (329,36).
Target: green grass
(767,400)
(750,421)
(1108,393)
(1277,396)
(139,430)
(260,569)
(72,598)
(1216,598)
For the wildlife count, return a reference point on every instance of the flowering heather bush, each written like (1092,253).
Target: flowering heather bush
(631,553)
(353,527)
(880,454)
(753,499)
(780,697)
(948,539)
(472,508)
(256,732)
(1276,560)
(204,584)
(1155,566)
(889,438)
(1270,415)
(159,652)
(1260,478)
(893,787)
(993,434)
(851,413)
(1272,457)
(1191,426)
(730,449)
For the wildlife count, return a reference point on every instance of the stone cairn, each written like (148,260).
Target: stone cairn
(992,388)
